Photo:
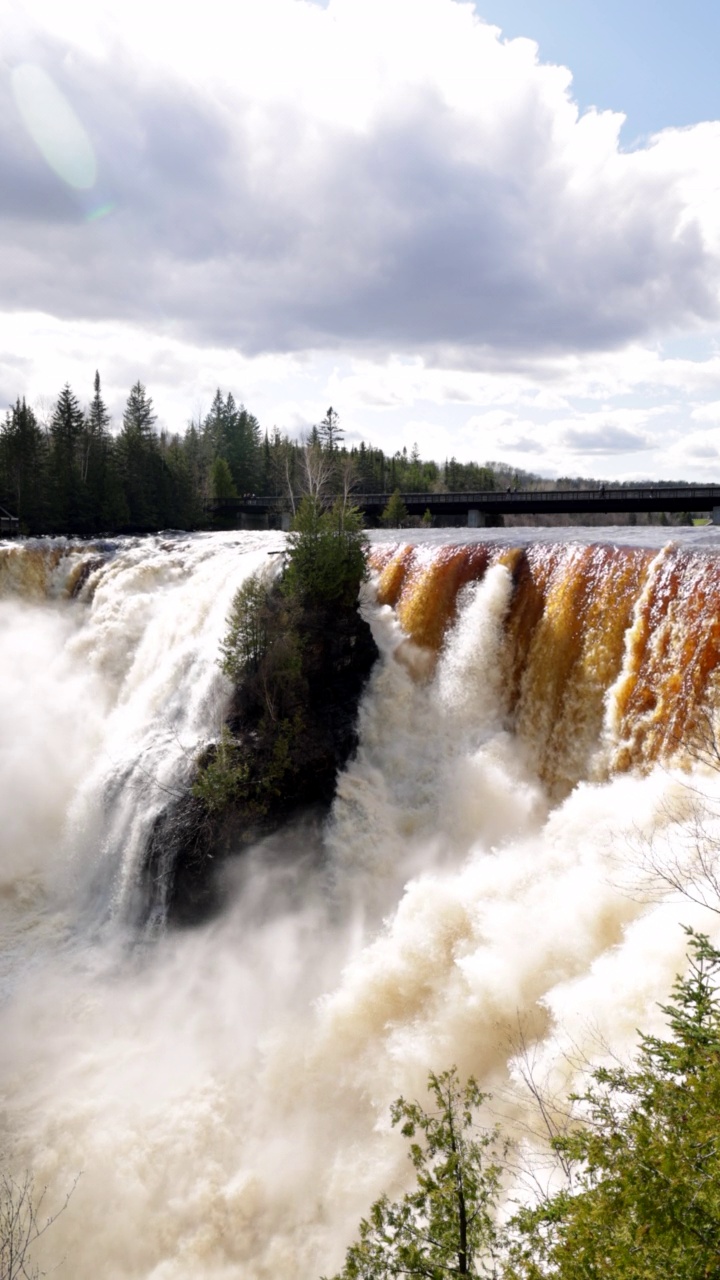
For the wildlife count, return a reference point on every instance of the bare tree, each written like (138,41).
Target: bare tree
(316,470)
(683,854)
(22,1223)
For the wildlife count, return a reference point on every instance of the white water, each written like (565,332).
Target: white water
(225,1091)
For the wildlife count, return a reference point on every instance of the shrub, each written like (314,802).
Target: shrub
(246,639)
(327,550)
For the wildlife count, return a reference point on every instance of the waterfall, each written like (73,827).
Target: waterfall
(111,651)
(508,862)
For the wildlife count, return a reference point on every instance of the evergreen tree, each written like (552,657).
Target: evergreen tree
(445,1226)
(327,553)
(395,512)
(242,446)
(415,479)
(96,465)
(642,1200)
(330,434)
(23,468)
(223,487)
(97,429)
(234,434)
(214,426)
(69,497)
(138,455)
(198,462)
(186,512)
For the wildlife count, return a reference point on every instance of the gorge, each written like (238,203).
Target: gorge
(531,814)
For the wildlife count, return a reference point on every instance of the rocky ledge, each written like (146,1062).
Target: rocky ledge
(290,729)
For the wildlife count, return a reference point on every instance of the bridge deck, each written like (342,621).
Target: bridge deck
(670,498)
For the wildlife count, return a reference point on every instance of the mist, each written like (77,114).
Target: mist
(224,1091)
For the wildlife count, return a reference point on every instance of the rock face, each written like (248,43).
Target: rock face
(287,749)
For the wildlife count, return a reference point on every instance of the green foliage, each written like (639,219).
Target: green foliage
(281,759)
(233,435)
(641,1171)
(246,638)
(445,1225)
(643,1198)
(327,550)
(67,491)
(138,459)
(329,431)
(73,475)
(23,468)
(395,513)
(262,638)
(262,655)
(223,777)
(471,477)
(221,481)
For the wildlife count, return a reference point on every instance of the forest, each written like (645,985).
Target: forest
(74,474)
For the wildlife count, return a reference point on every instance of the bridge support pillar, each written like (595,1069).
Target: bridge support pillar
(715,516)
(285,521)
(475,520)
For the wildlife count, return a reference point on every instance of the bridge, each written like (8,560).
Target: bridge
(8,524)
(486,506)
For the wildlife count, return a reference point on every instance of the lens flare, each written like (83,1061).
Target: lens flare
(102,211)
(54,126)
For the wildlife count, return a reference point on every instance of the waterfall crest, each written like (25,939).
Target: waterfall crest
(610,654)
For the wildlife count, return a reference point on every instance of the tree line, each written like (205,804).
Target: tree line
(74,474)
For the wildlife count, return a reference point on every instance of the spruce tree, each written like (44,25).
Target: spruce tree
(395,512)
(444,1227)
(329,430)
(69,497)
(23,468)
(96,464)
(139,458)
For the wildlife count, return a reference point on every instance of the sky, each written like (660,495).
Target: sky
(490,229)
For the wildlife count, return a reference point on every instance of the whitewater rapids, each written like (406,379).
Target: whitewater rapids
(224,1092)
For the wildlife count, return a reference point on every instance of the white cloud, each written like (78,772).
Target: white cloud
(709,412)
(695,447)
(605,439)
(390,209)
(388,176)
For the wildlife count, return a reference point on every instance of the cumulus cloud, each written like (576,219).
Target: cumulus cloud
(709,412)
(525,444)
(386,177)
(607,439)
(696,446)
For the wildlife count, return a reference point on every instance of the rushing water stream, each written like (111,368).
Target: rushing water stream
(532,752)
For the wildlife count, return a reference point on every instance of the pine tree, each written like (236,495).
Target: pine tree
(223,487)
(329,431)
(445,1226)
(23,468)
(395,513)
(642,1201)
(242,447)
(230,432)
(139,458)
(96,464)
(69,498)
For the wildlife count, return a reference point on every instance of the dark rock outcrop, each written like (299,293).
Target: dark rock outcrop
(289,751)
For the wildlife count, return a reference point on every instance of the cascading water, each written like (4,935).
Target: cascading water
(526,748)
